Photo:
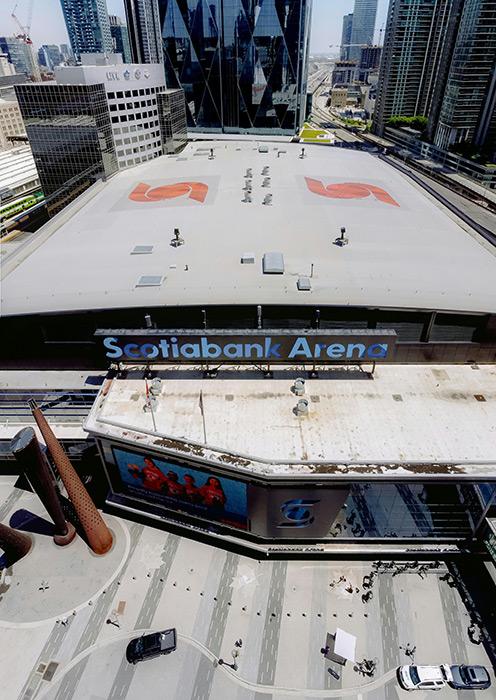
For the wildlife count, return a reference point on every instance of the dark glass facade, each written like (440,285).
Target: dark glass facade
(70,134)
(242,63)
(451,510)
(172,117)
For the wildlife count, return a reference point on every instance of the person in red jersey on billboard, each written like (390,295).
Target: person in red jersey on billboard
(191,491)
(212,493)
(153,478)
(173,487)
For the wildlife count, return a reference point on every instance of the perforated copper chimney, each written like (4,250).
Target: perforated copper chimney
(26,449)
(98,534)
(15,544)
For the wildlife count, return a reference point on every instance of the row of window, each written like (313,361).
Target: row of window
(114,106)
(135,139)
(132,93)
(139,149)
(132,117)
(136,127)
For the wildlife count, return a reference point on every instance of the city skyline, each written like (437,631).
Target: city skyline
(48,25)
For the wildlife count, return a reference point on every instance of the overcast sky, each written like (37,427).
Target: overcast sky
(48,26)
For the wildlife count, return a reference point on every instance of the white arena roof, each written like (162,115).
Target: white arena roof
(405,249)
(441,424)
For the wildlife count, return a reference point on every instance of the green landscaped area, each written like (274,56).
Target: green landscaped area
(312,135)
(310,132)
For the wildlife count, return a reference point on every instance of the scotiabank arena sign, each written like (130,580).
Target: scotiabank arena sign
(248,347)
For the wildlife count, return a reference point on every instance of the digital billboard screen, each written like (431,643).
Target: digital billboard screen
(182,488)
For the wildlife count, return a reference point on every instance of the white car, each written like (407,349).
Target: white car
(423,677)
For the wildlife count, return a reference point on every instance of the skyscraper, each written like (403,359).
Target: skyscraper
(20,54)
(362,28)
(143,22)
(346,37)
(467,114)
(415,59)
(242,64)
(49,55)
(120,38)
(88,26)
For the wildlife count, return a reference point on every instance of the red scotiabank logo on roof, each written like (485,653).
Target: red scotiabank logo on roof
(349,190)
(192,190)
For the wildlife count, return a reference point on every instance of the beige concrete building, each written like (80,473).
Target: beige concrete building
(11,121)
(339,97)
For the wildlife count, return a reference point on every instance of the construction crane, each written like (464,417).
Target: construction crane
(24,36)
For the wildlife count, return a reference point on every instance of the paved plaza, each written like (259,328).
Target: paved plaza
(58,644)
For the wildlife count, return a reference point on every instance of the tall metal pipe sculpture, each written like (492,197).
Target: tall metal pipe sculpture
(15,544)
(26,449)
(98,535)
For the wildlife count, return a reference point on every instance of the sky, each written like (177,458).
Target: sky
(47,26)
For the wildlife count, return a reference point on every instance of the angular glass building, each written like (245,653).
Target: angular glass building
(241,63)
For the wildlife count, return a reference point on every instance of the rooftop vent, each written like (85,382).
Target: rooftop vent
(248,259)
(298,387)
(266,182)
(142,250)
(301,408)
(267,199)
(149,281)
(303,284)
(263,149)
(342,240)
(265,170)
(273,263)
(177,240)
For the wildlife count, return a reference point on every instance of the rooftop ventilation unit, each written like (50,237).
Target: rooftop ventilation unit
(177,240)
(342,240)
(149,281)
(301,408)
(265,170)
(249,173)
(267,199)
(303,284)
(142,250)
(273,264)
(263,149)
(299,386)
(248,259)
(247,198)
(266,182)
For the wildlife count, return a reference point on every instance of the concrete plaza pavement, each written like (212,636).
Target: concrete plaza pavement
(282,611)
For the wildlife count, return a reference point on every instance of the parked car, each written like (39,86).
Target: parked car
(423,677)
(469,677)
(150,645)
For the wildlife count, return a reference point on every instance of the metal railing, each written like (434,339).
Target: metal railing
(62,405)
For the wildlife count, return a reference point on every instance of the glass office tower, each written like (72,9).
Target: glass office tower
(70,134)
(241,63)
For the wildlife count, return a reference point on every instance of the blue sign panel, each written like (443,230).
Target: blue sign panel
(244,347)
